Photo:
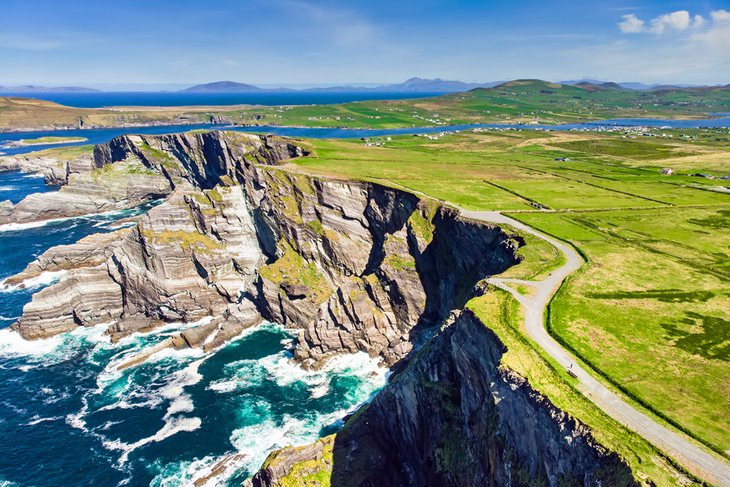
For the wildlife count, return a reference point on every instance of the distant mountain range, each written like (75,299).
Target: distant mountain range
(413,85)
(629,85)
(421,85)
(45,89)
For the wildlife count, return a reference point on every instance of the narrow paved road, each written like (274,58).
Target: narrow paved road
(704,464)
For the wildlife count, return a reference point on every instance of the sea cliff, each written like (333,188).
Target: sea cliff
(240,236)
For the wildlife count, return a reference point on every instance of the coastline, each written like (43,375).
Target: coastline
(496,123)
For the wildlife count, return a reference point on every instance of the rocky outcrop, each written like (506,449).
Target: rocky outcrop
(114,187)
(303,466)
(90,251)
(456,416)
(164,269)
(201,160)
(363,267)
(55,169)
(357,266)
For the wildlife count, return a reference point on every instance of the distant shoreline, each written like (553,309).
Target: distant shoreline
(511,123)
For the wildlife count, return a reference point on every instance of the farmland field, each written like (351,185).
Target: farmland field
(649,310)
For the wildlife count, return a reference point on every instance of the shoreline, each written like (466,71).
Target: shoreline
(35,142)
(497,123)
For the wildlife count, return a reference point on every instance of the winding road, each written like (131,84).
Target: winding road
(695,459)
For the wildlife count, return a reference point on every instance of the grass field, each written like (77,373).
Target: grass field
(516,101)
(52,140)
(528,101)
(649,313)
(501,313)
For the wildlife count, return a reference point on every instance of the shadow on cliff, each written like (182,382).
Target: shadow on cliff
(453,416)
(460,255)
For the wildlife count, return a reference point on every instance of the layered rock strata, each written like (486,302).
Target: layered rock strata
(357,266)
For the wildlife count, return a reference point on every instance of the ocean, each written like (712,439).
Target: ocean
(70,418)
(179,99)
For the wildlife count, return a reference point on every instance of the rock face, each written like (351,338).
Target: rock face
(301,465)
(455,417)
(357,266)
(56,171)
(114,187)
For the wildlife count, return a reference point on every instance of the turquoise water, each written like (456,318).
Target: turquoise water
(68,417)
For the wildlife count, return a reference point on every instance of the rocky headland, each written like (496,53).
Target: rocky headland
(354,266)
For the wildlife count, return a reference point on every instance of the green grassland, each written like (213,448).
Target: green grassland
(52,140)
(524,101)
(516,101)
(65,153)
(649,312)
(501,313)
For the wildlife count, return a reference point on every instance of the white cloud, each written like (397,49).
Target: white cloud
(716,38)
(720,16)
(684,45)
(631,24)
(679,20)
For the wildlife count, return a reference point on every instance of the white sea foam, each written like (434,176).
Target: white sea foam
(174,391)
(37,420)
(6,188)
(33,176)
(14,408)
(319,391)
(44,279)
(260,431)
(119,226)
(187,473)
(113,215)
(76,420)
(52,350)
(14,227)
(172,427)
(13,345)
(258,440)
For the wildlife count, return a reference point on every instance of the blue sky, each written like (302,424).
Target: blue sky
(304,42)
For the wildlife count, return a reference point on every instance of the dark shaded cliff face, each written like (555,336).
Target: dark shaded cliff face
(454,417)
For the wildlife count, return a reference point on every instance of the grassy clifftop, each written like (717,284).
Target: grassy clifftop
(648,313)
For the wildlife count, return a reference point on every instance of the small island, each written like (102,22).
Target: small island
(49,141)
